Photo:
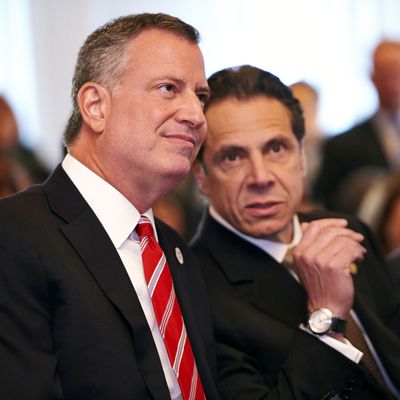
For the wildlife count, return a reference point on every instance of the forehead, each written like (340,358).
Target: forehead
(156,51)
(244,120)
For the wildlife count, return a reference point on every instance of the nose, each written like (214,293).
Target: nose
(191,111)
(260,175)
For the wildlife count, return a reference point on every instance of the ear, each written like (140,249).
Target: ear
(201,177)
(93,100)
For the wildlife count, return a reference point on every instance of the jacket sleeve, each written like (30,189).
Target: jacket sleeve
(311,370)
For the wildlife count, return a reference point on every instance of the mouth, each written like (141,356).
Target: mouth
(182,138)
(264,209)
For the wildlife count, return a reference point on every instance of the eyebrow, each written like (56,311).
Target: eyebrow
(204,89)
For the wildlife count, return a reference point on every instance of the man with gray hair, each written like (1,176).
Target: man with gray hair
(99,299)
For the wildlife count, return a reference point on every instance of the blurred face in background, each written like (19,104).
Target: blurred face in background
(386,75)
(308,98)
(392,228)
(8,127)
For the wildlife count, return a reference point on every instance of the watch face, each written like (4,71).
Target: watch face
(320,321)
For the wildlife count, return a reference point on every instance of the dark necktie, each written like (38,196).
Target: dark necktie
(355,336)
(168,313)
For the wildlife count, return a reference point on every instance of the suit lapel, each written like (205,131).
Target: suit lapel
(272,288)
(278,294)
(89,239)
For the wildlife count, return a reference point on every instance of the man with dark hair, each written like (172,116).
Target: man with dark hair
(99,299)
(291,294)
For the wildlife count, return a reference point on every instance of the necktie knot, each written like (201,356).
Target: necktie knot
(288,260)
(144,227)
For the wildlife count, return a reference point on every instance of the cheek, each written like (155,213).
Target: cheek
(203,133)
(293,181)
(225,191)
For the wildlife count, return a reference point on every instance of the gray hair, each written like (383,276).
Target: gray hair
(103,58)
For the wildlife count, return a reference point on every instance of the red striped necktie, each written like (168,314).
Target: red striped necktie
(168,313)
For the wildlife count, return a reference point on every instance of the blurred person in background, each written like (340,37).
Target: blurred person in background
(387,225)
(380,209)
(13,177)
(372,143)
(11,145)
(374,197)
(308,97)
(182,207)
(170,209)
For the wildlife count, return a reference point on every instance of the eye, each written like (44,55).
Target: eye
(279,150)
(276,147)
(230,157)
(230,160)
(168,88)
(203,97)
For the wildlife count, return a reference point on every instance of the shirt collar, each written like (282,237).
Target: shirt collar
(275,249)
(116,213)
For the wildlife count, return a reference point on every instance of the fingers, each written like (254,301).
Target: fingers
(329,239)
(324,229)
(335,252)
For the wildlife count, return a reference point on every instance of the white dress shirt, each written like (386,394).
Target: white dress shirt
(119,219)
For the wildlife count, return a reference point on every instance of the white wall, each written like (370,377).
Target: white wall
(325,42)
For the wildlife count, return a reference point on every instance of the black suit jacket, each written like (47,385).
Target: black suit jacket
(71,325)
(344,154)
(393,262)
(257,308)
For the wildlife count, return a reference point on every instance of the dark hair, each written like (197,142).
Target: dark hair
(245,82)
(104,58)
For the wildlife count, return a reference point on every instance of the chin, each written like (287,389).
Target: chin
(263,231)
(178,172)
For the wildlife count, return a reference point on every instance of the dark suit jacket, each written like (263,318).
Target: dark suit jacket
(257,308)
(71,325)
(344,154)
(393,263)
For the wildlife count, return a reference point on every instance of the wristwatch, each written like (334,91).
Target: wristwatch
(322,321)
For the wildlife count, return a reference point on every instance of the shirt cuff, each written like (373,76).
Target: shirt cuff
(346,348)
